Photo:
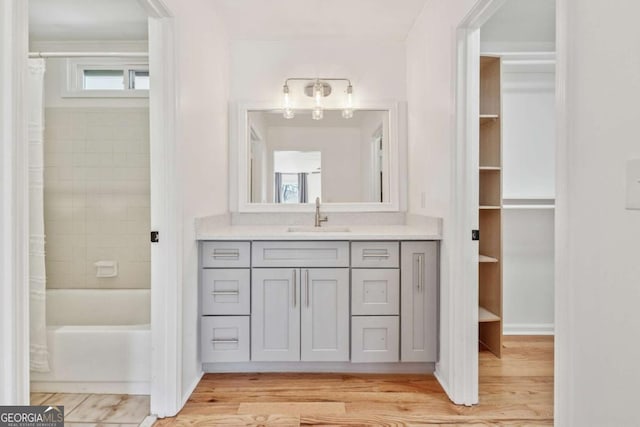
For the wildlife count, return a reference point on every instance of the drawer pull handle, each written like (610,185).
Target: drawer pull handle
(295,285)
(420,273)
(307,284)
(225,292)
(226,254)
(229,341)
(371,254)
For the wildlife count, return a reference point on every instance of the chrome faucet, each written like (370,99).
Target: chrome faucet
(319,218)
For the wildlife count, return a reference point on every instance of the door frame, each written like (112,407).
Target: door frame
(461,380)
(464,183)
(166,256)
(14,197)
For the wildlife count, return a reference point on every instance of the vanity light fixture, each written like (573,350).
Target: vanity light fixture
(317,88)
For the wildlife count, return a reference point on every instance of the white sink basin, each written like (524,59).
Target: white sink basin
(312,229)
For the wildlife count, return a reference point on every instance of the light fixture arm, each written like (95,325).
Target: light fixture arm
(286,82)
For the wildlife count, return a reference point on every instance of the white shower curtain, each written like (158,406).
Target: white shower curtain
(37,274)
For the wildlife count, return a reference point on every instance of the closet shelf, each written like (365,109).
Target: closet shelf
(485,315)
(484,258)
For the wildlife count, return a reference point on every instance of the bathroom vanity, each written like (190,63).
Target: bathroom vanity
(344,298)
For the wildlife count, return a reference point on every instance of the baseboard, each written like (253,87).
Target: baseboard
(91,387)
(445,385)
(148,421)
(191,388)
(528,329)
(322,367)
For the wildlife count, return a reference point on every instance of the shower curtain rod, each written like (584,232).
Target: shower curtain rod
(88,54)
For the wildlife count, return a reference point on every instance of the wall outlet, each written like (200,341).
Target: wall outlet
(633,184)
(423,200)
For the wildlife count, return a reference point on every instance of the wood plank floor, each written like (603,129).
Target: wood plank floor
(516,390)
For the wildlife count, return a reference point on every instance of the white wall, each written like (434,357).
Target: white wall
(528,159)
(528,133)
(521,25)
(259,69)
(203,73)
(431,52)
(528,269)
(598,320)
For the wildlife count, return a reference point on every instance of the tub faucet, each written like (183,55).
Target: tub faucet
(319,218)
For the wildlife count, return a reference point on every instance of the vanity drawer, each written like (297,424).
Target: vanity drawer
(375,339)
(375,291)
(375,254)
(225,339)
(300,254)
(226,291)
(225,254)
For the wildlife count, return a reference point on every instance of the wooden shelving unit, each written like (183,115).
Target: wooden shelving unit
(490,209)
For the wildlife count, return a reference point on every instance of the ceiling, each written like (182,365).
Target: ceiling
(86,20)
(388,20)
(524,21)
(78,20)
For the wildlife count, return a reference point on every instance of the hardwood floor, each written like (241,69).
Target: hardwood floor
(516,390)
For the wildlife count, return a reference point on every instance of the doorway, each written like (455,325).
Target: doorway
(518,223)
(165,396)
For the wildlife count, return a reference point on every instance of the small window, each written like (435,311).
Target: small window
(103,80)
(107,78)
(139,80)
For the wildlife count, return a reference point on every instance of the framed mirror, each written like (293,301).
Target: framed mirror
(349,164)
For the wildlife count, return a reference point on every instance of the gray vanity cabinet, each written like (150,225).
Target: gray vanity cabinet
(419,301)
(300,314)
(325,315)
(318,301)
(275,314)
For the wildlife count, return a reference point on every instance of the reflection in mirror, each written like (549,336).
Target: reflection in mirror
(338,160)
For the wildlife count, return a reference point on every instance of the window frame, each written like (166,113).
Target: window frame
(75,77)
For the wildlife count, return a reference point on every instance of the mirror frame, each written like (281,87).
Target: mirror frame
(243,165)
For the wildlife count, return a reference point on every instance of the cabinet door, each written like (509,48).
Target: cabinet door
(325,314)
(275,314)
(419,301)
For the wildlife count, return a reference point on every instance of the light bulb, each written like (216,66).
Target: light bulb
(288,112)
(317,113)
(317,91)
(347,113)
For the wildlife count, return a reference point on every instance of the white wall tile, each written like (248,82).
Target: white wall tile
(97,196)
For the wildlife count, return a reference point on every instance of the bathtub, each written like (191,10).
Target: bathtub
(99,342)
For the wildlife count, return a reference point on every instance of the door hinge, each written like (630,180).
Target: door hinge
(475,235)
(155,236)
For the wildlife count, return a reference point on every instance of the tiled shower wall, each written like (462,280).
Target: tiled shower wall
(96,196)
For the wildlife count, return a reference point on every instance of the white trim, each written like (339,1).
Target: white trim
(242,162)
(564,303)
(166,217)
(138,387)
(461,373)
(14,214)
(192,387)
(148,421)
(528,329)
